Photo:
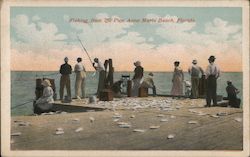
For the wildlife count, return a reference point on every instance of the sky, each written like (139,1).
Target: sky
(157,36)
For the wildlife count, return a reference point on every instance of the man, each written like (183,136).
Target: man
(116,88)
(65,72)
(195,71)
(232,95)
(212,74)
(137,78)
(99,67)
(80,78)
(149,83)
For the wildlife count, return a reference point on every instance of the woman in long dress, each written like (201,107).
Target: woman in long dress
(44,103)
(178,78)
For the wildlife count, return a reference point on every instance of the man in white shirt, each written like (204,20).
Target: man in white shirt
(195,72)
(99,67)
(212,74)
(80,78)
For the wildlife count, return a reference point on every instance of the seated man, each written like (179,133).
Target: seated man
(232,95)
(44,103)
(149,83)
(116,88)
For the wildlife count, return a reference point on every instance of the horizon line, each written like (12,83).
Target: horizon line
(94,71)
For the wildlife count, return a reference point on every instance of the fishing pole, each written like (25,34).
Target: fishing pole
(84,49)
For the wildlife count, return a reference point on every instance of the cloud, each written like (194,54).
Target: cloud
(36,37)
(42,45)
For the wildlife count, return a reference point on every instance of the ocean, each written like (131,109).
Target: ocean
(23,85)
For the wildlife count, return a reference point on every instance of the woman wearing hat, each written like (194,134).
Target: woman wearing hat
(178,78)
(137,78)
(44,103)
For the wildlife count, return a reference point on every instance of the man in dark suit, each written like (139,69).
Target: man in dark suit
(65,71)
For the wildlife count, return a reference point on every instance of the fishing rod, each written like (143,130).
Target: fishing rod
(84,49)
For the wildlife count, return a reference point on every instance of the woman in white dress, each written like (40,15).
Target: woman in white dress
(178,78)
(44,103)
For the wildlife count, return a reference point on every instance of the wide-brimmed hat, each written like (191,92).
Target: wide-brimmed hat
(66,59)
(137,63)
(211,58)
(194,61)
(46,83)
(151,74)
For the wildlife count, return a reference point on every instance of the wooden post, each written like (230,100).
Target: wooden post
(129,88)
(111,73)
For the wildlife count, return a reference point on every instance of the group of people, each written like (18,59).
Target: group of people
(211,74)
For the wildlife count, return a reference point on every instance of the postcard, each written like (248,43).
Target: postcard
(124,78)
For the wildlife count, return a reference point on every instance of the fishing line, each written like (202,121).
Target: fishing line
(22,104)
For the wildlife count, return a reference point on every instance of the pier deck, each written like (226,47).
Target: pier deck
(208,133)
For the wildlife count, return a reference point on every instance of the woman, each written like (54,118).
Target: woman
(178,77)
(137,78)
(44,103)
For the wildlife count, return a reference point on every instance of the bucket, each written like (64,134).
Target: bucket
(92,99)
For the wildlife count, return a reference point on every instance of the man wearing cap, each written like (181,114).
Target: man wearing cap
(99,67)
(148,82)
(195,71)
(212,74)
(137,78)
(65,71)
(80,78)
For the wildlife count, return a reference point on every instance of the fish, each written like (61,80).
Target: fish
(154,127)
(79,129)
(117,116)
(125,126)
(163,120)
(59,132)
(215,116)
(192,122)
(139,130)
(132,116)
(16,134)
(171,136)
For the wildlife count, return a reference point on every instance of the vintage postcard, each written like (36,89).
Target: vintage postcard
(124,78)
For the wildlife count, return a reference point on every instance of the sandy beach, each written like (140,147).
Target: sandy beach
(153,123)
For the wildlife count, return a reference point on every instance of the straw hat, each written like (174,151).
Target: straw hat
(46,83)
(137,63)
